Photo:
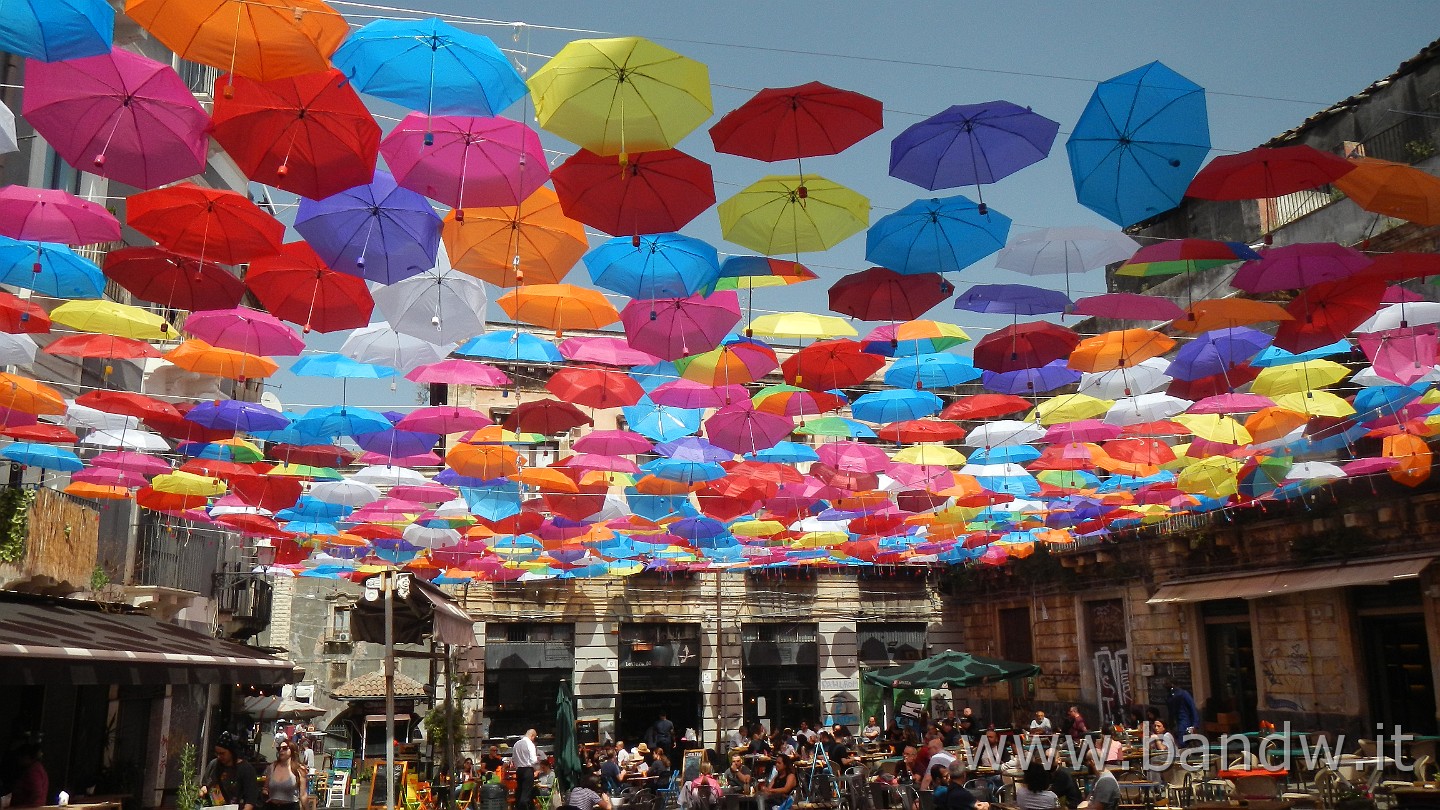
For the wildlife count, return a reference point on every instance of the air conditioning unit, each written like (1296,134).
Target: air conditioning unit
(341,638)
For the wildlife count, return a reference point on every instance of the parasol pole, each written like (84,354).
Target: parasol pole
(389,586)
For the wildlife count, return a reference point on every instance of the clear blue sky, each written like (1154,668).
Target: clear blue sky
(1266,65)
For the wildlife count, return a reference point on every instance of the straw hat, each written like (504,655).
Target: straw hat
(642,748)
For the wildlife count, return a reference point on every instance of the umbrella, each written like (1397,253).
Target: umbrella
(736,361)
(466,162)
(20,315)
(1265,172)
(672,328)
(914,337)
(120,116)
(234,415)
(930,371)
(665,265)
(594,387)
(1401,316)
(1327,312)
(458,372)
(202,358)
(1174,256)
(621,95)
(53,30)
(430,66)
(246,330)
(379,231)
(650,420)
(741,428)
(442,420)
(530,243)
(782,214)
(558,307)
(28,396)
(110,318)
(790,400)
(895,405)
(1055,251)
(1138,143)
(936,236)
(1227,313)
(1142,377)
(1127,307)
(828,364)
(647,192)
(971,144)
(549,417)
(1393,189)
(749,272)
(16,350)
(1298,266)
(381,346)
(47,215)
(438,306)
(101,346)
(48,268)
(801,325)
(169,279)
(1216,352)
(1108,351)
(1052,375)
(1024,346)
(879,294)
(205,223)
(263,41)
(44,456)
(568,767)
(512,345)
(1012,299)
(809,120)
(296,286)
(310,135)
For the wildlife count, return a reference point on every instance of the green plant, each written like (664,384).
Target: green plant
(99,578)
(1419,150)
(14,521)
(187,797)
(445,724)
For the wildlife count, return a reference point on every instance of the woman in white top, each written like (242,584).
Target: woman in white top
(1033,791)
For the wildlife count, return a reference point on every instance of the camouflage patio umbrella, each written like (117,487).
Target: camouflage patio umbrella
(950,669)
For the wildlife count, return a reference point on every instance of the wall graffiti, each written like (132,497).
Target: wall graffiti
(1286,672)
(1112,681)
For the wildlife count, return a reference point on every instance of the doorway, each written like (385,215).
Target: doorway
(1402,686)
(1230,652)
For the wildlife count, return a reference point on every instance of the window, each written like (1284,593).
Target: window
(339,629)
(339,673)
(59,174)
(891,642)
(1016,640)
(659,645)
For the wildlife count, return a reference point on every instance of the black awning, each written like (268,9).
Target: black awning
(71,642)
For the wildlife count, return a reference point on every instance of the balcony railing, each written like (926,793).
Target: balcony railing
(178,554)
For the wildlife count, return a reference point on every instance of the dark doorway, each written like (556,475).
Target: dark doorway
(781,697)
(1402,685)
(645,693)
(1230,651)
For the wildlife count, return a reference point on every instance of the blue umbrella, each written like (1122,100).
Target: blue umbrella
(1031,380)
(1139,143)
(685,472)
(1012,299)
(53,30)
(309,527)
(971,144)
(664,265)
(430,66)
(936,236)
(1272,356)
(660,422)
(495,502)
(652,376)
(378,231)
(311,508)
(338,366)
(1006,454)
(450,478)
(931,371)
(339,420)
(45,456)
(786,453)
(511,344)
(233,414)
(699,528)
(49,268)
(1216,352)
(895,405)
(657,507)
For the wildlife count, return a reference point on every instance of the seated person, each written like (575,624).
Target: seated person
(781,785)
(612,776)
(1062,783)
(701,792)
(957,797)
(544,777)
(871,732)
(1033,791)
(937,781)
(1104,794)
(737,778)
(588,795)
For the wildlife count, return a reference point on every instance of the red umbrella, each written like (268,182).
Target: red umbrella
(269,492)
(546,416)
(1327,312)
(879,294)
(595,387)
(296,286)
(985,406)
(924,430)
(827,364)
(314,455)
(18,316)
(180,429)
(797,122)
(1214,385)
(1402,266)
(127,403)
(1024,345)
(169,279)
(205,223)
(49,434)
(106,346)
(307,134)
(643,193)
(1267,172)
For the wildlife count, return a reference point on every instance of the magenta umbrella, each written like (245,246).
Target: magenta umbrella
(109,477)
(47,215)
(1296,267)
(1231,403)
(602,462)
(672,328)
(131,461)
(929,477)
(1400,295)
(1370,466)
(443,419)
(1083,430)
(426,459)
(466,162)
(1128,306)
(612,443)
(606,351)
(424,493)
(683,393)
(848,456)
(118,115)
(1402,355)
(740,428)
(459,372)
(245,330)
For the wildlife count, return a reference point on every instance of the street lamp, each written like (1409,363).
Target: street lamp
(264,554)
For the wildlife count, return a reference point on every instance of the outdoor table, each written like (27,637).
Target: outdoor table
(1251,804)
(110,805)
(1241,773)
(1424,795)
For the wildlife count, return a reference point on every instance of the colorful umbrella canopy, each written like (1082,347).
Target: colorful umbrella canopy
(737,361)
(466,162)
(1024,346)
(202,358)
(378,231)
(1056,251)
(936,236)
(511,344)
(1174,256)
(671,328)
(750,272)
(803,325)
(48,268)
(828,364)
(530,243)
(971,144)
(53,30)
(1327,312)
(782,214)
(1138,143)
(458,372)
(1120,349)
(261,40)
(645,193)
(665,265)
(1267,172)
(594,387)
(47,215)
(741,428)
(118,115)
(809,120)
(159,276)
(296,286)
(879,294)
(205,223)
(246,330)
(438,306)
(1128,307)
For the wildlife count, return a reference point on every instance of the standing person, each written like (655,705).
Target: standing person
(663,733)
(284,780)
(782,784)
(1183,711)
(1078,728)
(32,782)
(523,758)
(228,779)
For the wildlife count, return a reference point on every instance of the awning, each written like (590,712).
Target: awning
(1294,580)
(70,642)
(425,611)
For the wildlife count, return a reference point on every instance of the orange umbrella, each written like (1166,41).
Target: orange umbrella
(98,492)
(1393,189)
(258,39)
(1124,348)
(511,246)
(1413,455)
(1269,424)
(1225,313)
(559,307)
(655,485)
(484,460)
(24,394)
(547,480)
(202,358)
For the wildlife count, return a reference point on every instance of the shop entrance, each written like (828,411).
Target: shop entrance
(1402,685)
(1230,654)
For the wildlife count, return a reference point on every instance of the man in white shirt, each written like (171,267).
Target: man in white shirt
(938,756)
(523,758)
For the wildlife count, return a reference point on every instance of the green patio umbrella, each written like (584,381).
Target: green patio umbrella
(950,670)
(567,757)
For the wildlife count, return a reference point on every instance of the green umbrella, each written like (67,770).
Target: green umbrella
(567,757)
(951,670)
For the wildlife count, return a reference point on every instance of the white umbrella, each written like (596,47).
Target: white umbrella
(141,440)
(457,508)
(1052,251)
(431,537)
(1145,408)
(615,507)
(439,306)
(383,476)
(1005,470)
(16,350)
(345,493)
(8,141)
(1314,470)
(1396,316)
(382,345)
(1003,432)
(86,417)
(1141,378)
(815,524)
(219,510)
(176,385)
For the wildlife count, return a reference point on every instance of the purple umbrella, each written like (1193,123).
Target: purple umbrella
(693,448)
(1216,352)
(1012,299)
(1296,267)
(118,115)
(377,231)
(672,328)
(971,144)
(1031,380)
(741,428)
(466,162)
(232,414)
(396,443)
(684,393)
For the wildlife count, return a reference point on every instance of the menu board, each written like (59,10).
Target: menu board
(395,784)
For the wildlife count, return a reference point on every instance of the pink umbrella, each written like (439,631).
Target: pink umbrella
(458,372)
(131,461)
(1231,403)
(109,477)
(466,162)
(1084,430)
(1400,295)
(603,463)
(118,115)
(444,419)
(1370,466)
(612,443)
(12,418)
(672,328)
(245,330)
(684,393)
(740,428)
(417,460)
(1403,355)
(424,493)
(1298,266)
(928,477)
(1128,306)
(608,351)
(47,215)
(850,456)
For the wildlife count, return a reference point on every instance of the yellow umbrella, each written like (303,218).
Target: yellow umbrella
(109,318)
(820,539)
(1279,380)
(1181,460)
(757,528)
(1315,403)
(801,325)
(1215,427)
(1213,477)
(614,96)
(930,454)
(784,214)
(1070,408)
(184,483)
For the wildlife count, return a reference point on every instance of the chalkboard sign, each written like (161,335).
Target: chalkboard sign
(691,767)
(1176,671)
(396,785)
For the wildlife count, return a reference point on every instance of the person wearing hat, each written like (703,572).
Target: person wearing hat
(229,778)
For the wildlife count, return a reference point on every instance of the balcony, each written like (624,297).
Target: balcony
(177,555)
(48,540)
(244,600)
